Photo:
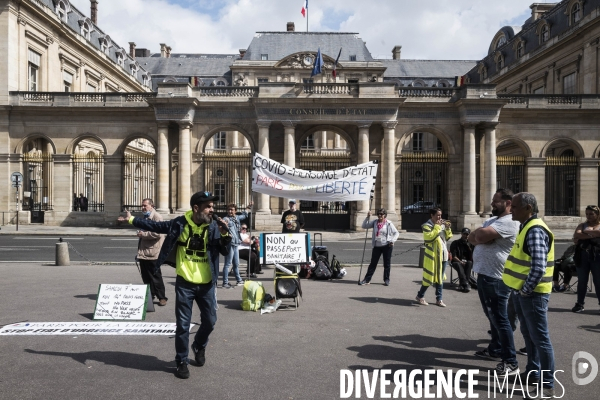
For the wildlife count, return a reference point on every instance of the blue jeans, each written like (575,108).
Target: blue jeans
(532,311)
(587,265)
(205,296)
(386,251)
(438,288)
(494,295)
(232,258)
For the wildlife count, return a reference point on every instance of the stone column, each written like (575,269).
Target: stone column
(388,182)
(588,180)
(323,140)
(536,181)
(263,200)
(184,169)
(336,141)
(469,182)
(289,145)
(490,181)
(62,200)
(162,171)
(363,157)
(481,182)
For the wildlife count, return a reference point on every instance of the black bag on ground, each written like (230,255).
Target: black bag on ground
(335,267)
(321,270)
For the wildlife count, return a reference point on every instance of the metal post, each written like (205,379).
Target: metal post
(17,208)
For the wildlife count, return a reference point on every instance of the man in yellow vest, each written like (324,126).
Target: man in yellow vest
(528,271)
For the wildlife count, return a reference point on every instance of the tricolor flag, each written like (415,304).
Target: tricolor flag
(460,80)
(334,72)
(304,10)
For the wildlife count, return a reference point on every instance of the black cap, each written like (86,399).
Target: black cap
(202,197)
(465,230)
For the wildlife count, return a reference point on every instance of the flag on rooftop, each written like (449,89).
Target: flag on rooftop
(334,72)
(318,66)
(304,10)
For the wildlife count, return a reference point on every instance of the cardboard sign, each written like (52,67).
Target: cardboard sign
(284,248)
(121,302)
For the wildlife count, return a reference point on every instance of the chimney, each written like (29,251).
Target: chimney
(242,53)
(396,51)
(168,51)
(539,9)
(142,53)
(163,50)
(132,49)
(291,27)
(94,11)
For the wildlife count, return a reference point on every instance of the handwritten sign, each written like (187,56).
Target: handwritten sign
(284,248)
(90,328)
(121,302)
(348,184)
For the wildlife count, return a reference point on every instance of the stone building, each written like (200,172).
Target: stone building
(200,117)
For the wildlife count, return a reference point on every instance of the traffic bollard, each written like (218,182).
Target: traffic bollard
(62,254)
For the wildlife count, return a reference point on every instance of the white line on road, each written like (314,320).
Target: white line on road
(26,247)
(44,238)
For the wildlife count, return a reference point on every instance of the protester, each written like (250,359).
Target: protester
(528,271)
(198,240)
(246,249)
(462,259)
(436,233)
(383,238)
(149,246)
(232,259)
(292,219)
(83,202)
(493,242)
(587,255)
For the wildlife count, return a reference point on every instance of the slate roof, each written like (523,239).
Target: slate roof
(426,68)
(279,45)
(191,65)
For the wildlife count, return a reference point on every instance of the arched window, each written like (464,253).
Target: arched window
(545,35)
(61,11)
(85,30)
(520,49)
(500,41)
(575,13)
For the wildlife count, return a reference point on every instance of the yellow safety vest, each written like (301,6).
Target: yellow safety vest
(432,262)
(518,264)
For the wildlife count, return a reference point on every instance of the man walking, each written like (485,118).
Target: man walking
(197,240)
(148,248)
(493,243)
(528,272)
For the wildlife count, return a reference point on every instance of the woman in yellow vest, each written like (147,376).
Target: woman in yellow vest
(435,234)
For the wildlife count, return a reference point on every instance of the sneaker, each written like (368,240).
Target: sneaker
(162,302)
(486,354)
(466,289)
(182,371)
(440,303)
(227,286)
(507,369)
(362,283)
(522,351)
(198,354)
(421,301)
(253,276)
(386,283)
(578,308)
(240,283)
(547,393)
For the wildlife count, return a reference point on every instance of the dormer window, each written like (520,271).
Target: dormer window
(104,46)
(61,10)
(85,30)
(120,58)
(353,57)
(146,79)
(499,62)
(520,49)
(133,68)
(500,41)
(575,13)
(545,33)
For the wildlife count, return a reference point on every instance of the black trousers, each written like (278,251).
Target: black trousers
(386,251)
(254,266)
(157,286)
(464,271)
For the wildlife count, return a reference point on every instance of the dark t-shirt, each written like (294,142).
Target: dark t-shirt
(292,221)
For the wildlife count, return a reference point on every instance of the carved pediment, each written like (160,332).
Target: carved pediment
(305,60)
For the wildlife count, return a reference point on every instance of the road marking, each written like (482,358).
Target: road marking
(120,247)
(44,238)
(26,247)
(126,239)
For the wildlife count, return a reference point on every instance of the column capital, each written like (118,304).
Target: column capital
(364,125)
(162,124)
(468,125)
(288,124)
(389,124)
(263,124)
(488,126)
(185,125)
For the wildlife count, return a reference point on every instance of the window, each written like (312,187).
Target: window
(89,87)
(33,70)
(263,80)
(104,46)
(501,41)
(264,57)
(219,141)
(220,192)
(68,81)
(545,33)
(520,49)
(308,143)
(120,58)
(417,141)
(569,83)
(439,146)
(61,10)
(353,57)
(133,68)
(85,30)
(539,90)
(499,63)
(575,13)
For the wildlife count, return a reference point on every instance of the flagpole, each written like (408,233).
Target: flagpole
(306,19)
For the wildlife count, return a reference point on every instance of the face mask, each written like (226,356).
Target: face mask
(147,213)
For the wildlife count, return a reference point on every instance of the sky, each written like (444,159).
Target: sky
(426,29)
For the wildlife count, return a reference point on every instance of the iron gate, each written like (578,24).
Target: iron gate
(561,185)
(510,173)
(228,176)
(139,180)
(325,215)
(423,186)
(38,172)
(88,182)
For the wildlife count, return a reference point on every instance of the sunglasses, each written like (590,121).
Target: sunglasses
(380,214)
(244,228)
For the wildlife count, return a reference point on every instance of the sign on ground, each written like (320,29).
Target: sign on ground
(121,302)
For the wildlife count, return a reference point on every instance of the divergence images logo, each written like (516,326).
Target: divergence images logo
(581,363)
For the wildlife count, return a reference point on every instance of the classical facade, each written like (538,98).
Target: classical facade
(180,123)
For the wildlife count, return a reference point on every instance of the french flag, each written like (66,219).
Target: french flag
(305,8)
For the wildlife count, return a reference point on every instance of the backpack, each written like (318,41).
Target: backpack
(336,267)
(321,270)
(253,296)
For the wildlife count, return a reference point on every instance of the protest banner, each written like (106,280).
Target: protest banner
(90,328)
(348,184)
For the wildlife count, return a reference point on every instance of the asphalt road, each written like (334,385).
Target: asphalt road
(121,249)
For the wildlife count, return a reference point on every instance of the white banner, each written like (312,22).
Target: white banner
(348,184)
(90,328)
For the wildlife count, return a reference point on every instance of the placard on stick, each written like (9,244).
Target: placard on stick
(284,248)
(121,302)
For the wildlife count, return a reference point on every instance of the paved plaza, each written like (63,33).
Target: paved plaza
(291,354)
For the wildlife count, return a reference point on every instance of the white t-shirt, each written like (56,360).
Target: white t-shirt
(489,258)
(243,246)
